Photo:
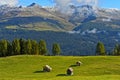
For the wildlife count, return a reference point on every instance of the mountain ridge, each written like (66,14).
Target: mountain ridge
(31,11)
(79,14)
(77,31)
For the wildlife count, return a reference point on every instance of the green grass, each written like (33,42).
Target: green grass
(30,68)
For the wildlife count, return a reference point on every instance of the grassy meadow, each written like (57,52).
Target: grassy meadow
(30,68)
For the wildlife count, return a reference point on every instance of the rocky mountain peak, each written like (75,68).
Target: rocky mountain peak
(87,6)
(34,5)
(82,13)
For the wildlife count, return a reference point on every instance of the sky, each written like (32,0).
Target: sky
(109,3)
(101,3)
(41,2)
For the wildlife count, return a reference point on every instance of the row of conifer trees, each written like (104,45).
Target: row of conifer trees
(30,47)
(100,50)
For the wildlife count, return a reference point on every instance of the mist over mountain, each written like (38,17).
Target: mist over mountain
(9,2)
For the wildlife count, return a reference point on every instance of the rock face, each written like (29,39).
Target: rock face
(34,5)
(83,13)
(70,71)
(47,68)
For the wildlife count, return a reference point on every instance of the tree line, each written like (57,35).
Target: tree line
(100,50)
(30,47)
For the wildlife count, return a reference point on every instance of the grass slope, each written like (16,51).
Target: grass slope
(30,68)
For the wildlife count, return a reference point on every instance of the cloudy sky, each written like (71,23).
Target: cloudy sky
(100,3)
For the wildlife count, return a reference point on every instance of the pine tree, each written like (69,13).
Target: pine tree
(100,49)
(28,49)
(35,49)
(42,47)
(56,49)
(9,49)
(116,50)
(22,46)
(16,47)
(3,48)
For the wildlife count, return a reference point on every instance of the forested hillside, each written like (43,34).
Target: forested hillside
(71,44)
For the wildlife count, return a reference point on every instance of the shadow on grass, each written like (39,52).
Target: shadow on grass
(38,72)
(61,75)
(73,66)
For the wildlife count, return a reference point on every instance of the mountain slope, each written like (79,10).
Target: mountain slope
(32,17)
(35,17)
(77,31)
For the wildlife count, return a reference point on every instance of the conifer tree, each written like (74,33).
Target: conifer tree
(22,46)
(9,49)
(116,50)
(35,49)
(28,49)
(16,47)
(3,48)
(42,47)
(56,49)
(100,49)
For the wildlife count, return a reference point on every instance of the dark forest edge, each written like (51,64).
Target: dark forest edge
(29,47)
(32,47)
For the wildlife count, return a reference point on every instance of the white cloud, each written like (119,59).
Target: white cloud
(93,31)
(73,32)
(63,5)
(67,2)
(9,2)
